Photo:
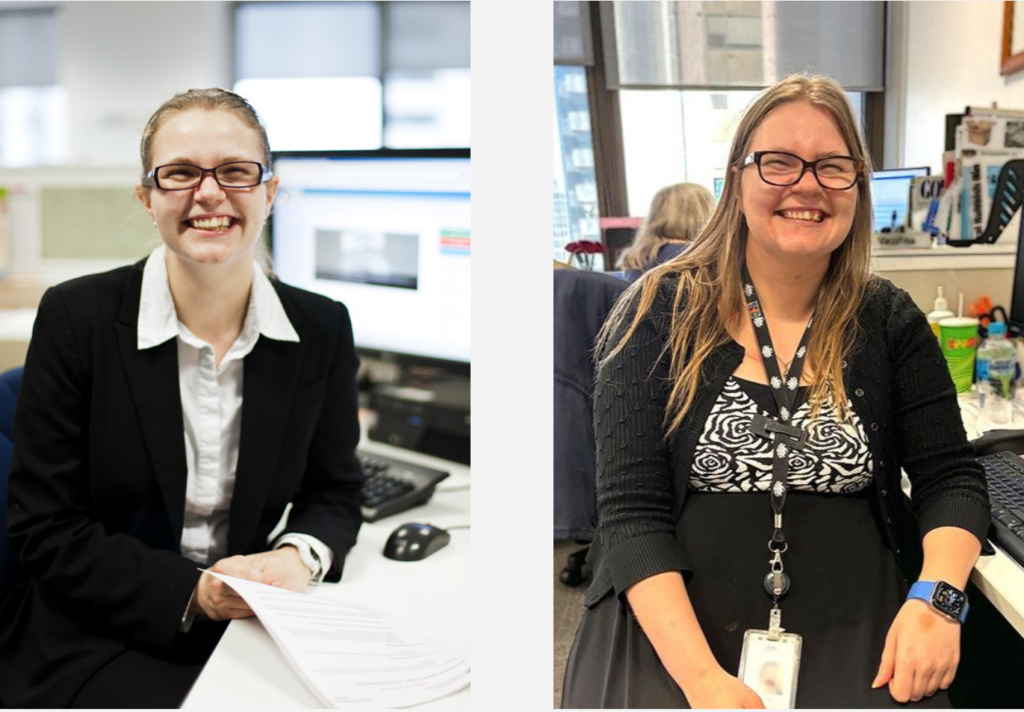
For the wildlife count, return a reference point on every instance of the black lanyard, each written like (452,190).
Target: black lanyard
(784,437)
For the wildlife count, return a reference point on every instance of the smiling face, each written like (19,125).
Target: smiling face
(229,220)
(802,220)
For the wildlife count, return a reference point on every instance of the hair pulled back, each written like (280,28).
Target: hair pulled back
(205,99)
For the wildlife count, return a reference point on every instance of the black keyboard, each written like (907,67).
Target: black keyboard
(393,486)
(1005,474)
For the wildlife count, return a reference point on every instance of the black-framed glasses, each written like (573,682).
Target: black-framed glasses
(183,176)
(782,169)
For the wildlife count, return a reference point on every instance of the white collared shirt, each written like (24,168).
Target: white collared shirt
(211,402)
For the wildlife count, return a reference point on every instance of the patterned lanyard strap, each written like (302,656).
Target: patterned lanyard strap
(784,436)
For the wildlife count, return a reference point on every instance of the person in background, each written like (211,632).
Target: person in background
(169,412)
(756,401)
(678,213)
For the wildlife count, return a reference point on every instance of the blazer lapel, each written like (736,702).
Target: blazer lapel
(153,379)
(271,370)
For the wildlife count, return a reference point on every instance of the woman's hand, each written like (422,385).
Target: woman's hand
(218,600)
(921,653)
(717,689)
(283,565)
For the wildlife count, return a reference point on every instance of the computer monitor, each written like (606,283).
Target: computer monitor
(890,194)
(386,233)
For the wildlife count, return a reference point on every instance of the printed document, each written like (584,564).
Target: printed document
(351,656)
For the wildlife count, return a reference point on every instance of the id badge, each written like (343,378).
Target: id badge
(770,667)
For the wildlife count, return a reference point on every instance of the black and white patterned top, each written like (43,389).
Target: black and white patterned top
(731,458)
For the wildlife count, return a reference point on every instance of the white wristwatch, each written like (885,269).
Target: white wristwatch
(307,554)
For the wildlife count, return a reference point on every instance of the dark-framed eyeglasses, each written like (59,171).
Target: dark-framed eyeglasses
(183,176)
(782,169)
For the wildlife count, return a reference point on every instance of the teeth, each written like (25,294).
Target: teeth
(212,223)
(811,215)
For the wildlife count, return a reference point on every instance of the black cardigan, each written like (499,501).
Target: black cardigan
(900,388)
(97,482)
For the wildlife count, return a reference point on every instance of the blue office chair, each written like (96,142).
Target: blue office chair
(582,301)
(10,382)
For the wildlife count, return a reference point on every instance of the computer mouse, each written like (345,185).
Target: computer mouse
(415,542)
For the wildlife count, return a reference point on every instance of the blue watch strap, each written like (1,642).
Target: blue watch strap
(924,591)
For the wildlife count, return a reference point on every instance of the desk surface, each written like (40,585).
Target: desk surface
(247,670)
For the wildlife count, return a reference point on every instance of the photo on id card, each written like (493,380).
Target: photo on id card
(770,667)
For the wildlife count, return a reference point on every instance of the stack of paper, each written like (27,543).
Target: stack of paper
(353,656)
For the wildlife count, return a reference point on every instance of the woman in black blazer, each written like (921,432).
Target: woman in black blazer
(168,413)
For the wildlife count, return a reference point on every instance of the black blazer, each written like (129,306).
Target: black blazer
(97,481)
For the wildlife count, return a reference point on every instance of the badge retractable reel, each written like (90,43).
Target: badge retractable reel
(770,661)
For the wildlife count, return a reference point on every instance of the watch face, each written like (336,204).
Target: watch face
(948,600)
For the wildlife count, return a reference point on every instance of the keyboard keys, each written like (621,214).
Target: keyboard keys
(391,486)
(1004,473)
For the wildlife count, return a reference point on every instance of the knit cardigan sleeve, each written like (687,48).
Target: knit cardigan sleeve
(635,497)
(948,484)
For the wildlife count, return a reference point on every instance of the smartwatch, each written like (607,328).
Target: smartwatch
(947,600)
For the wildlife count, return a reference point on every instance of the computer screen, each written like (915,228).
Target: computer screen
(890,193)
(387,234)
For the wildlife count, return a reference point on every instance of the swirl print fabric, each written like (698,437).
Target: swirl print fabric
(731,458)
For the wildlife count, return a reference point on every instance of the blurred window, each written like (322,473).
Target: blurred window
(673,136)
(33,107)
(317,113)
(312,70)
(363,74)
(426,108)
(426,77)
(33,126)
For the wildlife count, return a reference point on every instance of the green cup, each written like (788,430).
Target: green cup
(959,341)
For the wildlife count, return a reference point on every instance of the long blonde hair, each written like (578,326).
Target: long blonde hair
(708,299)
(678,213)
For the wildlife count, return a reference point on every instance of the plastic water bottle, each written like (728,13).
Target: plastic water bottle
(997,367)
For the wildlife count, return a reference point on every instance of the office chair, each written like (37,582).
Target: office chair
(582,301)
(10,382)
(615,241)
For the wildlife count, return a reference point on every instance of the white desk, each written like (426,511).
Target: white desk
(247,670)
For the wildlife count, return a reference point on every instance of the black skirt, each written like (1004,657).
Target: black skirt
(846,591)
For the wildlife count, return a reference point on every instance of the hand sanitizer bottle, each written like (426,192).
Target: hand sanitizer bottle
(940,312)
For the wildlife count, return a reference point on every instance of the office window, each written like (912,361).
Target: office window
(675,136)
(426,108)
(426,74)
(317,113)
(355,75)
(33,107)
(575,183)
(33,126)
(312,70)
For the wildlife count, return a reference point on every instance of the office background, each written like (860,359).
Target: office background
(79,80)
(648,94)
(907,65)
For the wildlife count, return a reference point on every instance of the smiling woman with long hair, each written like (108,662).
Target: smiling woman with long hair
(756,400)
